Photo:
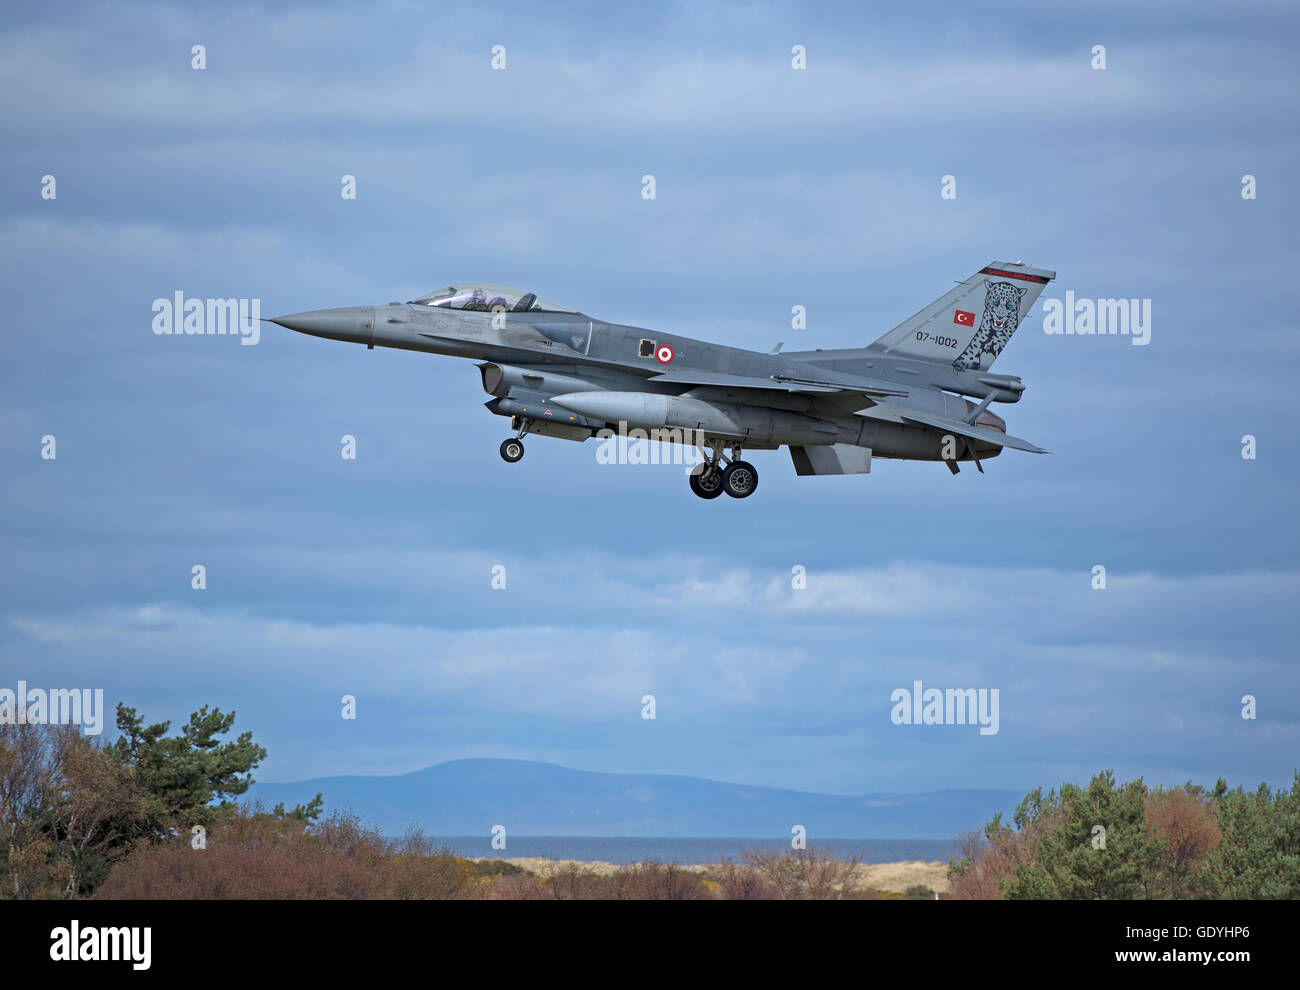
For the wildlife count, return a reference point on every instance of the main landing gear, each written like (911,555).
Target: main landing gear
(738,478)
(513,448)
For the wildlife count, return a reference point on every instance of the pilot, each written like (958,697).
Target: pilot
(477,301)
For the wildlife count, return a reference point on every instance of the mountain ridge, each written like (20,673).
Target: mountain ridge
(471,796)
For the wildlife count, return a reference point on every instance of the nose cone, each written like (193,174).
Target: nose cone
(351,323)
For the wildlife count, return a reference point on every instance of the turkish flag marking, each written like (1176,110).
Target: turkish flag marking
(964,318)
(664,355)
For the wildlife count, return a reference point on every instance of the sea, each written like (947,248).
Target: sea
(637,849)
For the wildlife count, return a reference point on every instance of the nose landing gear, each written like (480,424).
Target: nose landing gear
(513,448)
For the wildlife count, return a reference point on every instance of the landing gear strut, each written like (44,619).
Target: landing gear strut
(706,482)
(738,478)
(513,448)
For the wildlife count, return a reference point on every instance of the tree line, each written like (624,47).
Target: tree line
(1112,841)
(70,808)
(153,815)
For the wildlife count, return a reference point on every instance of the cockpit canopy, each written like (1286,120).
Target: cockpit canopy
(485,297)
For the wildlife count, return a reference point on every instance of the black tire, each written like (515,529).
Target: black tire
(512,450)
(710,488)
(740,479)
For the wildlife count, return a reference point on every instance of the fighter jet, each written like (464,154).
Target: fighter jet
(557,372)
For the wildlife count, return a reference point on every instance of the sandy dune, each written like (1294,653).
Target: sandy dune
(900,876)
(879,876)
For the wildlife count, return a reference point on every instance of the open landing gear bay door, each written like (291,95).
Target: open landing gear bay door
(836,458)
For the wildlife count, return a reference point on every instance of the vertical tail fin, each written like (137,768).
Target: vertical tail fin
(971,324)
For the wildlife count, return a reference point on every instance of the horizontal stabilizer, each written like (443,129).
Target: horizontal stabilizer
(957,427)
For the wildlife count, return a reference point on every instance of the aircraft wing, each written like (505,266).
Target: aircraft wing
(897,414)
(865,400)
(857,395)
(721,378)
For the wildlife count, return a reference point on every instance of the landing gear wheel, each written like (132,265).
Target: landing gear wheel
(512,449)
(706,487)
(739,479)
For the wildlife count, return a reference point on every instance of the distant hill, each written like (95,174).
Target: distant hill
(468,797)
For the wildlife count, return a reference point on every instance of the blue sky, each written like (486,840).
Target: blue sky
(775,188)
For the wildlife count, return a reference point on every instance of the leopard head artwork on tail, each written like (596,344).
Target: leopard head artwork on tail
(999,322)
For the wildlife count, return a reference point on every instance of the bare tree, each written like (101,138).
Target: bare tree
(26,785)
(806,874)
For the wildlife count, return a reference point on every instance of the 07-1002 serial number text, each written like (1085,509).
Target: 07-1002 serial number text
(941,341)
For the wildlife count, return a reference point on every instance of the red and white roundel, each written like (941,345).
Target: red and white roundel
(664,354)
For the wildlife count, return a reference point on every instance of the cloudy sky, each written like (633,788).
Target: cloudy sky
(775,188)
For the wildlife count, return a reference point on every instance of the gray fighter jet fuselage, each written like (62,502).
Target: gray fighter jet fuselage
(558,372)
